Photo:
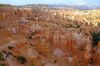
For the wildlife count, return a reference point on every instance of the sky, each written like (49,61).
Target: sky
(65,2)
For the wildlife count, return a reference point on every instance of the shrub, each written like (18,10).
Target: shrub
(32,64)
(10,47)
(99,24)
(21,59)
(1,56)
(29,37)
(4,5)
(10,53)
(95,38)
(2,64)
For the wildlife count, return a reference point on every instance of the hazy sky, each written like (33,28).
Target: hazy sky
(68,2)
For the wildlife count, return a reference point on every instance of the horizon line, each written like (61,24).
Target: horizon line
(51,4)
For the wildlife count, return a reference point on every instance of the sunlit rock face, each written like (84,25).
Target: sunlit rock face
(32,53)
(49,37)
(58,52)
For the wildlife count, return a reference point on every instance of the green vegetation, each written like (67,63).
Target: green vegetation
(10,47)
(21,59)
(2,64)
(32,64)
(95,38)
(4,5)
(1,56)
(99,24)
(10,53)
(29,37)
